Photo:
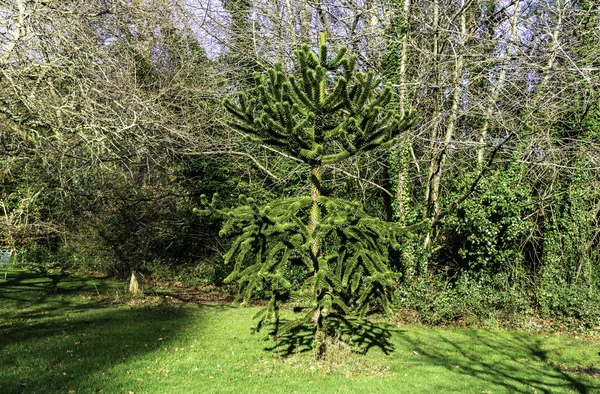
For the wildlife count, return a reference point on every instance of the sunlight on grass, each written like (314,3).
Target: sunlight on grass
(70,343)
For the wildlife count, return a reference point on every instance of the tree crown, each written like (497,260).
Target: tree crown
(323,112)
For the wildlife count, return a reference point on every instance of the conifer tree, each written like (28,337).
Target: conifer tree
(321,113)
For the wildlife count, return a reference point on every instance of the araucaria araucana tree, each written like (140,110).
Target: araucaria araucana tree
(322,113)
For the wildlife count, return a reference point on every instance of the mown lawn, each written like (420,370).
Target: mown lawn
(72,343)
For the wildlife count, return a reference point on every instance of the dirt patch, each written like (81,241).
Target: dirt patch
(592,372)
(201,295)
(408,316)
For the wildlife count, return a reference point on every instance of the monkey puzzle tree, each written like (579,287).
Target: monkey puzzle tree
(322,113)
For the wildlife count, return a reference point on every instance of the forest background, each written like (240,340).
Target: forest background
(112,127)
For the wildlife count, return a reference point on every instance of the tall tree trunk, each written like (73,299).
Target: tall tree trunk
(543,186)
(437,164)
(402,191)
(315,212)
(315,216)
(437,108)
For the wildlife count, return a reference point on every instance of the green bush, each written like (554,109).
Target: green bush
(574,305)
(50,262)
(486,234)
(470,300)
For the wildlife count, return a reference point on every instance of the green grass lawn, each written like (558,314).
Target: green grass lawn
(71,343)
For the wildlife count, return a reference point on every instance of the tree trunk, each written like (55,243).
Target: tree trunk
(402,191)
(315,213)
(315,216)
(437,108)
(437,164)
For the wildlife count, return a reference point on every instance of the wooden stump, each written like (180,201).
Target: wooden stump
(134,286)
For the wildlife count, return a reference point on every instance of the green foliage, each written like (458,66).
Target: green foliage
(496,264)
(396,30)
(486,233)
(574,305)
(28,226)
(468,300)
(591,122)
(569,285)
(321,113)
(273,244)
(49,261)
(570,239)
(28,209)
(324,113)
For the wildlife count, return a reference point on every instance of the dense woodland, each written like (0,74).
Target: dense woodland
(113,125)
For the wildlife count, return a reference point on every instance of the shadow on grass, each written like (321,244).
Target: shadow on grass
(362,335)
(27,295)
(25,285)
(60,343)
(517,361)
